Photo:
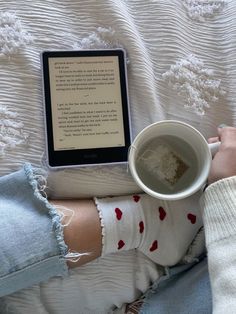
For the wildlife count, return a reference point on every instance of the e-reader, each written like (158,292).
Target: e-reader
(86,107)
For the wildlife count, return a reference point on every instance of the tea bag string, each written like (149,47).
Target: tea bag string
(132,146)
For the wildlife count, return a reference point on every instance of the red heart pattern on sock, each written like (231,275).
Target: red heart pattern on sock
(154,246)
(141,227)
(162,213)
(136,198)
(121,244)
(118,213)
(192,218)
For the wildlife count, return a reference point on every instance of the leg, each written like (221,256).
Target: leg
(83,233)
(36,240)
(32,246)
(161,230)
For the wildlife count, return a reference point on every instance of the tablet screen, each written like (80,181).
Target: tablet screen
(86,106)
(86,102)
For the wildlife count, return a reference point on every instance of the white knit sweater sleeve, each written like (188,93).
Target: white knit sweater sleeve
(219,217)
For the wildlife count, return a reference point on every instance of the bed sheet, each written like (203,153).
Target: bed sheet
(181,65)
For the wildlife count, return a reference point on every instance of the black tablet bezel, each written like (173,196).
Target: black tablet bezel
(93,156)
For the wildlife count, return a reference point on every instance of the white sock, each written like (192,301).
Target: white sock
(161,230)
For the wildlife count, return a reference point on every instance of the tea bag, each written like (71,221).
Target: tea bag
(164,162)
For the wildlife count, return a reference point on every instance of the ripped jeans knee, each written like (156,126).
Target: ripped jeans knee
(32,246)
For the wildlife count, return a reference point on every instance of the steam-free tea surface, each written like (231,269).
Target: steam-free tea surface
(167,164)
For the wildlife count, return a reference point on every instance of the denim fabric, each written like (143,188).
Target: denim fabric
(184,290)
(32,247)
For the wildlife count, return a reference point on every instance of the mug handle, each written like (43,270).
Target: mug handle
(214,147)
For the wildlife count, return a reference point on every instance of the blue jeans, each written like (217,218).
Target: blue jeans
(32,247)
(184,290)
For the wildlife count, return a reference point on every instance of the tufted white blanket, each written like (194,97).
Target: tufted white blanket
(181,65)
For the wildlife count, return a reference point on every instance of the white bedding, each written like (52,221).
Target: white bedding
(181,66)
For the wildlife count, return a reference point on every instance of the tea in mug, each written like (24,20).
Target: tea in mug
(167,164)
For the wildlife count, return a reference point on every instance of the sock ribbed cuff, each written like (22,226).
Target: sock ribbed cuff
(121,221)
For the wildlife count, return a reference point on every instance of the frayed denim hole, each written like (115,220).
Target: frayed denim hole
(66,216)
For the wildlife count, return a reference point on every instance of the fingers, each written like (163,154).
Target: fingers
(227,135)
(213,139)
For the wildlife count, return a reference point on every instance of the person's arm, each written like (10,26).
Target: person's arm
(219,217)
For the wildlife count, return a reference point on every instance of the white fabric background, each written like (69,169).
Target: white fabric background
(198,37)
(156,35)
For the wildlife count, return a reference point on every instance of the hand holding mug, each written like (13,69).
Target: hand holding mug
(224,162)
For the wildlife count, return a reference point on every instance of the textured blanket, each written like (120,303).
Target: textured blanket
(181,65)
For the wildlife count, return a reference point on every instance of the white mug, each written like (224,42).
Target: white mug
(170,160)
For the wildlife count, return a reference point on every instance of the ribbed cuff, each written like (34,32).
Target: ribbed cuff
(119,218)
(218,205)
